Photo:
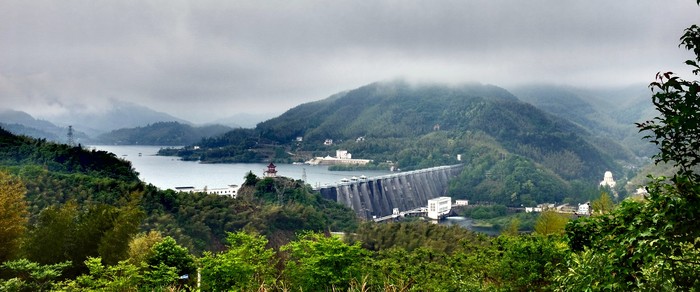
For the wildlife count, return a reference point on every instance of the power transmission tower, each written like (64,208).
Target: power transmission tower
(71,142)
(303,175)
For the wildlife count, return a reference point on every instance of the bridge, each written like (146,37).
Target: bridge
(376,197)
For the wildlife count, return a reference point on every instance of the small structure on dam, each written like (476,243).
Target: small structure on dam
(378,196)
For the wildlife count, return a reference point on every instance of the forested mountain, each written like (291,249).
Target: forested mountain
(418,126)
(161,133)
(609,114)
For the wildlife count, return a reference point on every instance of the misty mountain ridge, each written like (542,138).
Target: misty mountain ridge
(161,134)
(396,119)
(245,120)
(608,113)
(22,123)
(119,115)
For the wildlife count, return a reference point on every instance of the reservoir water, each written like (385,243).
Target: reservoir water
(168,172)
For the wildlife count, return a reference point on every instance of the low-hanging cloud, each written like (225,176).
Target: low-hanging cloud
(202,60)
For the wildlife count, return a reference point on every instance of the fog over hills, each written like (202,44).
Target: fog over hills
(21,123)
(205,61)
(119,115)
(610,113)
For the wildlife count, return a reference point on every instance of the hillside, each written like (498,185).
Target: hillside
(161,133)
(610,114)
(418,126)
(85,203)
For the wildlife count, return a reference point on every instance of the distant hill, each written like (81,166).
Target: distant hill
(21,123)
(608,113)
(120,115)
(161,133)
(517,153)
(19,129)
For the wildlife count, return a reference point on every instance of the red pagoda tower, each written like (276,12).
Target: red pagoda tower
(271,171)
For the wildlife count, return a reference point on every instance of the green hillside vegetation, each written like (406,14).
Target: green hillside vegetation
(89,203)
(161,134)
(515,153)
(145,239)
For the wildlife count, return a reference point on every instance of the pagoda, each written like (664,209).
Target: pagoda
(271,171)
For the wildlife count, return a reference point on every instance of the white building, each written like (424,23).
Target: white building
(341,157)
(439,207)
(584,209)
(343,154)
(461,202)
(608,180)
(533,209)
(229,191)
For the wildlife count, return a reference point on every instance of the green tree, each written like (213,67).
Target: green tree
(602,205)
(550,222)
(318,263)
(250,179)
(530,262)
(25,275)
(512,228)
(50,240)
(246,265)
(13,215)
(169,253)
(120,277)
(422,269)
(141,246)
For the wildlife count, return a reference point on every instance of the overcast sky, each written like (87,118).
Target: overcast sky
(202,60)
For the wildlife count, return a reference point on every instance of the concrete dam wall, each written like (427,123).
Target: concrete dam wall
(378,196)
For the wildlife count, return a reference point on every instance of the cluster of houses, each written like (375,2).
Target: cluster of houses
(581,210)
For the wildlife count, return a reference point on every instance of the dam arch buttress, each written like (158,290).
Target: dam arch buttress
(378,196)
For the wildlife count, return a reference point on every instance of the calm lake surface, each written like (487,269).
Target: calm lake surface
(168,172)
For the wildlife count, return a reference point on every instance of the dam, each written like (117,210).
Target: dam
(376,197)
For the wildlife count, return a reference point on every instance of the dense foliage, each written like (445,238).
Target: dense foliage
(22,151)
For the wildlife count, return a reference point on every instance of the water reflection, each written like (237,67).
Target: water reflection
(468,223)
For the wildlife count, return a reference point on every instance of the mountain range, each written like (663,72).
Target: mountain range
(162,134)
(528,144)
(123,123)
(516,152)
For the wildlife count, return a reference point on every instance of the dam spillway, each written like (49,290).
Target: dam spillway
(378,196)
